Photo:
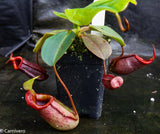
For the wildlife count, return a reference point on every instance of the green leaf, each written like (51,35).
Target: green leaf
(57,31)
(84,16)
(55,46)
(42,39)
(81,16)
(109,32)
(29,84)
(40,42)
(133,2)
(97,45)
(61,15)
(113,6)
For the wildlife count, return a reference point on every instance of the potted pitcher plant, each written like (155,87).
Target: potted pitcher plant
(79,60)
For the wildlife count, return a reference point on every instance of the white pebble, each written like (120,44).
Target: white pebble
(134,111)
(152,99)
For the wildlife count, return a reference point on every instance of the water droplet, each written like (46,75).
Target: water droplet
(57,126)
(21,88)
(22,97)
(104,124)
(97,89)
(152,99)
(34,121)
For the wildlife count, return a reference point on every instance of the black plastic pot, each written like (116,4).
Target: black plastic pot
(83,76)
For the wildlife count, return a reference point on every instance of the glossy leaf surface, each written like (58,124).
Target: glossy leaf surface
(55,46)
(84,16)
(97,45)
(113,6)
(29,83)
(42,39)
(81,16)
(62,15)
(109,32)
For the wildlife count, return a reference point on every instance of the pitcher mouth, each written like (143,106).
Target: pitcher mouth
(38,101)
(41,103)
(16,61)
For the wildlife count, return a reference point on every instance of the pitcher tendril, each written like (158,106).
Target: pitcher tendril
(66,89)
(114,62)
(120,23)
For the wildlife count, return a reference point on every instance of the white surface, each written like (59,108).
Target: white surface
(99,20)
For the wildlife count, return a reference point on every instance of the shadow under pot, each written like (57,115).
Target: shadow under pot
(83,77)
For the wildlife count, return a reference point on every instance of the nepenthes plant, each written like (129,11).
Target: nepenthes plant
(53,46)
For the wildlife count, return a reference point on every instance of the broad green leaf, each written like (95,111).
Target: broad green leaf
(42,39)
(81,16)
(29,83)
(109,32)
(97,45)
(61,15)
(114,6)
(55,46)
(40,42)
(84,16)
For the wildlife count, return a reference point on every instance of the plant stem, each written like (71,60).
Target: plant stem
(104,65)
(66,89)
(114,62)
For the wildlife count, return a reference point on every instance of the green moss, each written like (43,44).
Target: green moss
(77,48)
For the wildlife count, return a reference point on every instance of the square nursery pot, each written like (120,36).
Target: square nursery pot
(83,77)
